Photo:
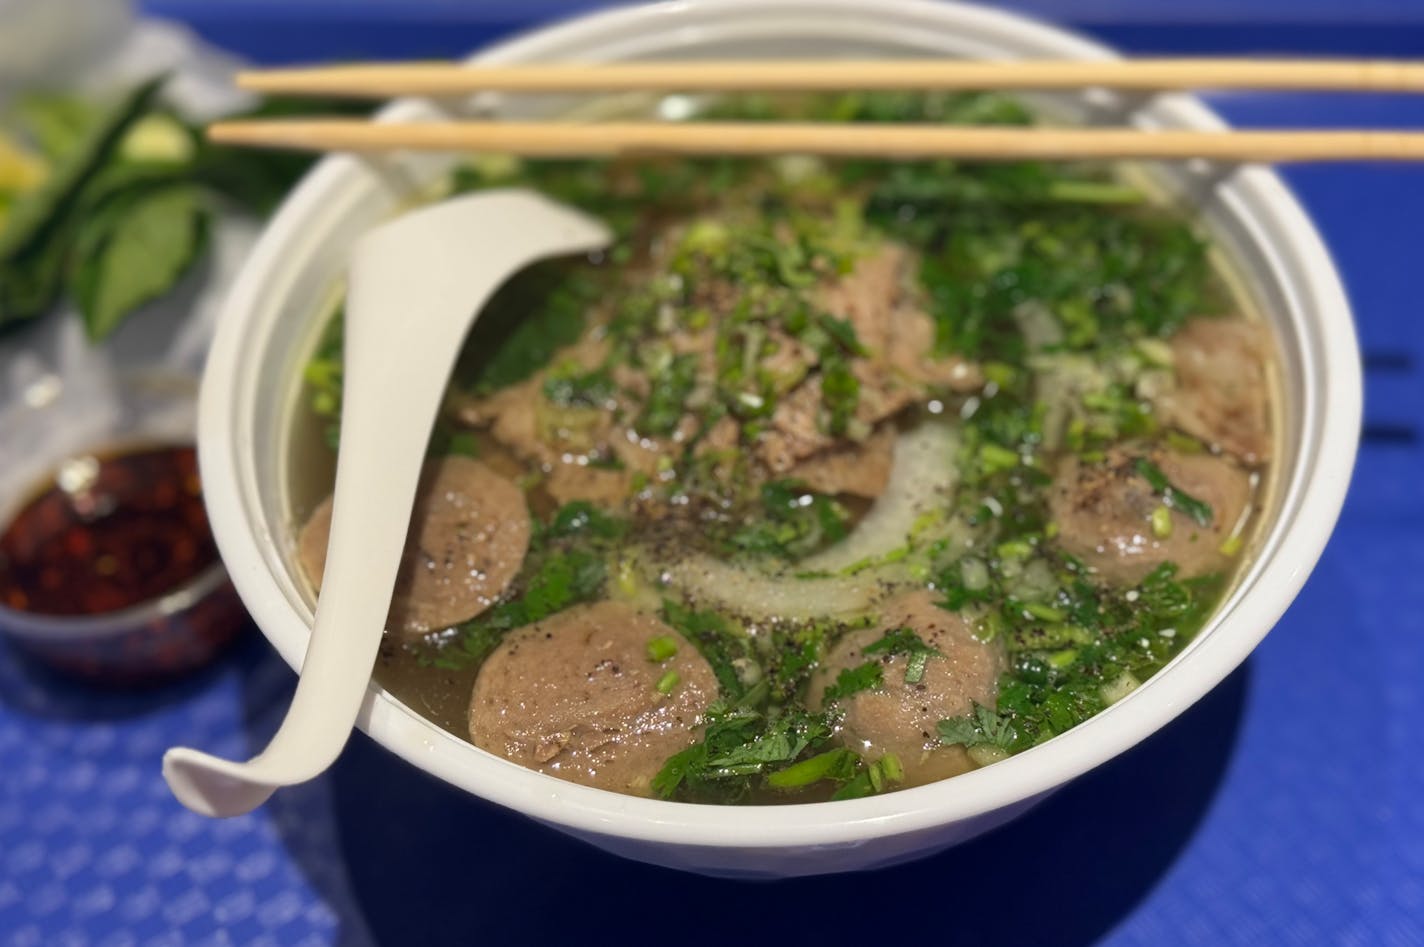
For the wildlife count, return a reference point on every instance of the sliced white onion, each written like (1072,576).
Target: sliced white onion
(713,584)
(922,480)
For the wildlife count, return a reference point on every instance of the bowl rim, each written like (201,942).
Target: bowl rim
(1315,495)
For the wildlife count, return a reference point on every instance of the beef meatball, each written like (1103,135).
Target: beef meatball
(1221,390)
(900,717)
(576,696)
(468,536)
(1104,512)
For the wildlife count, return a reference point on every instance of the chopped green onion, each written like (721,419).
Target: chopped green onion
(1183,444)
(1050,636)
(1119,687)
(915,670)
(1161,522)
(994,459)
(627,582)
(1044,612)
(1153,474)
(1157,353)
(668,681)
(974,573)
(661,648)
(982,754)
(999,373)
(1094,192)
(1015,549)
(1232,545)
(838,764)
(875,778)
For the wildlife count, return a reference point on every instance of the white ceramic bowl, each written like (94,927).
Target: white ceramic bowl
(271,321)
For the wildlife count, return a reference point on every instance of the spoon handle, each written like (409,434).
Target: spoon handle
(414,287)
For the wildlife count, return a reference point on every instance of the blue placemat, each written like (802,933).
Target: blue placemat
(1286,808)
(295,30)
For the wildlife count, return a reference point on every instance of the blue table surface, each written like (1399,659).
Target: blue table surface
(1287,807)
(294,30)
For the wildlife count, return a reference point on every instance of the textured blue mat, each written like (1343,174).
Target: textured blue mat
(1286,808)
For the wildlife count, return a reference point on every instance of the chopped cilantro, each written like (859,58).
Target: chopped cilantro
(668,400)
(981,726)
(474,644)
(905,641)
(796,653)
(1172,496)
(739,743)
(463,444)
(717,641)
(790,522)
(851,681)
(1059,672)
(571,388)
(561,580)
(783,740)
(582,517)
(842,333)
(564,580)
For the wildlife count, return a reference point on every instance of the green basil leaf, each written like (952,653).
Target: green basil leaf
(57,123)
(141,252)
(42,225)
(41,212)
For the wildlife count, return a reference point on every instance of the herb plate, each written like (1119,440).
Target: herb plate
(50,361)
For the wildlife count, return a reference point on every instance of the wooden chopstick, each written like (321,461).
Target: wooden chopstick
(379,81)
(549,139)
(890,141)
